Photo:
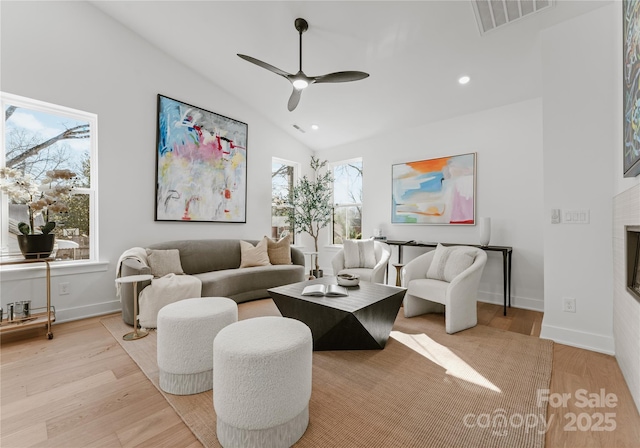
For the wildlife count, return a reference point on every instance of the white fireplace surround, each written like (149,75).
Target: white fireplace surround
(626,309)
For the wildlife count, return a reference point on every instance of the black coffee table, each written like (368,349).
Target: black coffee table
(360,321)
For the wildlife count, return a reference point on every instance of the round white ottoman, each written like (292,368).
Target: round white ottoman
(262,382)
(186,330)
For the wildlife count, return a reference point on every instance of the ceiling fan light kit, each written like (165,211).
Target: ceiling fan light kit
(300,84)
(300,80)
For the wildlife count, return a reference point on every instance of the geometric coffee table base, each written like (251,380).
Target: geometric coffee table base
(365,328)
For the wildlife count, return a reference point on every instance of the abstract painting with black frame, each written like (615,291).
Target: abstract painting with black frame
(438,191)
(201,165)
(631,74)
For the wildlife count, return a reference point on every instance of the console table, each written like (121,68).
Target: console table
(506,261)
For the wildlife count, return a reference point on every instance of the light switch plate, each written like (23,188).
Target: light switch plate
(576,216)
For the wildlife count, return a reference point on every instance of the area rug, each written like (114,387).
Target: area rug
(475,388)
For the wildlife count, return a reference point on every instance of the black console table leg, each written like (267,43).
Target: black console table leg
(504,282)
(509,267)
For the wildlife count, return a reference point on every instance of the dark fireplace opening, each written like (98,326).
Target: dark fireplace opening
(633,260)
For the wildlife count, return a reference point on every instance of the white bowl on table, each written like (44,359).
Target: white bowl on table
(348,279)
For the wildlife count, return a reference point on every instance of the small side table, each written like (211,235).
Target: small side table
(398,273)
(135,334)
(312,259)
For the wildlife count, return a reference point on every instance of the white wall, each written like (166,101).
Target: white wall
(508,143)
(580,110)
(70,53)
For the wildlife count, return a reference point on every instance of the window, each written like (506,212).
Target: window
(283,175)
(347,197)
(40,137)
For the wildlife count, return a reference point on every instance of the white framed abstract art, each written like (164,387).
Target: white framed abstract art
(201,165)
(438,191)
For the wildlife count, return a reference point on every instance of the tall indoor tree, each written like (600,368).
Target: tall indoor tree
(311,206)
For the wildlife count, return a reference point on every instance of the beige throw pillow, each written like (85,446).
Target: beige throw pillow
(254,256)
(279,251)
(359,254)
(449,262)
(163,262)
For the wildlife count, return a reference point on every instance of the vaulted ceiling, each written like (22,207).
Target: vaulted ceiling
(414,52)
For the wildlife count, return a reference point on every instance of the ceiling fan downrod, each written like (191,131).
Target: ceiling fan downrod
(302,26)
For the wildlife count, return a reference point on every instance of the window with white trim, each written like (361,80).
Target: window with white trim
(347,200)
(283,176)
(40,138)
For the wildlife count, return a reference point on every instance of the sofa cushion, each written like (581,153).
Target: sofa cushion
(449,262)
(251,255)
(163,262)
(359,254)
(279,251)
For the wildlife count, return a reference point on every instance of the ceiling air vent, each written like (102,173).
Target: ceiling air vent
(492,14)
(299,129)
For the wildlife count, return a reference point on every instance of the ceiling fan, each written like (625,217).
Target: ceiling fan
(301,81)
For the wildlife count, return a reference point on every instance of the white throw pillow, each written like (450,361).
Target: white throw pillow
(254,256)
(359,254)
(449,262)
(163,262)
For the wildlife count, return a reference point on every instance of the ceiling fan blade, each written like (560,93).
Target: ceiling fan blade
(341,77)
(294,99)
(269,67)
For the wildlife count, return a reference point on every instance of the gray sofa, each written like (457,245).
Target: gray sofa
(216,263)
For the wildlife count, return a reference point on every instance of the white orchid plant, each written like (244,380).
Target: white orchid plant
(46,198)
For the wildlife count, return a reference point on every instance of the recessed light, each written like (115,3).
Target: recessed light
(464,80)
(315,127)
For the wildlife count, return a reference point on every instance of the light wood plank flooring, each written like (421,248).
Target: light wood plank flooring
(81,389)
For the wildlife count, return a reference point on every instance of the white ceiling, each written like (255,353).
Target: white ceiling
(414,51)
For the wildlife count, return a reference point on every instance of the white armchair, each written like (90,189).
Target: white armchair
(375,274)
(445,278)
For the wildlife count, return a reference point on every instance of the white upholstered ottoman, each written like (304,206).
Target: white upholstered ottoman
(262,382)
(186,330)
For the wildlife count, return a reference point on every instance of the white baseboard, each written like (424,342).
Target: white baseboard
(580,339)
(83,312)
(516,302)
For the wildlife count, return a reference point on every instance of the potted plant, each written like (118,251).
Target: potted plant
(46,199)
(311,207)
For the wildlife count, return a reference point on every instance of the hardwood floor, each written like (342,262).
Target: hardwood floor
(579,373)
(81,389)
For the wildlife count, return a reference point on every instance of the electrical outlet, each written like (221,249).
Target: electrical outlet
(568,304)
(63,289)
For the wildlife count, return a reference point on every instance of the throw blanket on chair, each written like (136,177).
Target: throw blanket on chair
(163,291)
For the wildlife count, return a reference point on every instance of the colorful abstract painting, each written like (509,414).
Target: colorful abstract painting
(631,73)
(201,165)
(435,191)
